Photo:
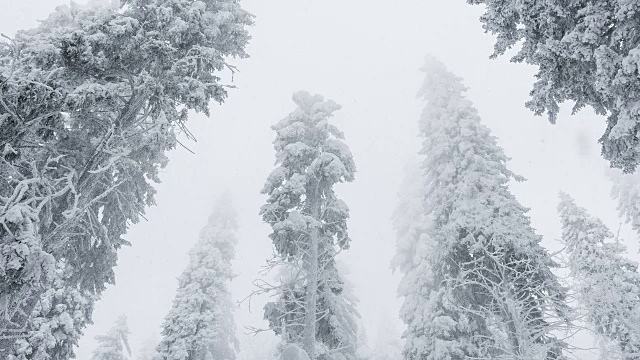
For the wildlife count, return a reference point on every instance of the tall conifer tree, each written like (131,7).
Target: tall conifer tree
(91,101)
(200,324)
(477,283)
(309,224)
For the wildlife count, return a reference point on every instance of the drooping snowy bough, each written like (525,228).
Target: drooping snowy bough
(477,283)
(90,102)
(587,52)
(309,224)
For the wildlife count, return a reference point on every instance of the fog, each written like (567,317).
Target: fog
(365,55)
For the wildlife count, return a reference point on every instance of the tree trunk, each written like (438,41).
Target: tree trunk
(312,275)
(511,316)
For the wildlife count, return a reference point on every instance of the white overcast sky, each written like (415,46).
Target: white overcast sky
(365,55)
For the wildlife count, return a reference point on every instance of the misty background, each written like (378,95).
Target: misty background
(366,56)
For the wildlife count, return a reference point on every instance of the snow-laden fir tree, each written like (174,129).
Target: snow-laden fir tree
(587,52)
(477,283)
(115,344)
(607,284)
(90,102)
(200,325)
(309,228)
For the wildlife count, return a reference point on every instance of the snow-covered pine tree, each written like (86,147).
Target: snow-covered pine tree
(607,284)
(309,229)
(587,52)
(477,284)
(113,345)
(200,325)
(90,102)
